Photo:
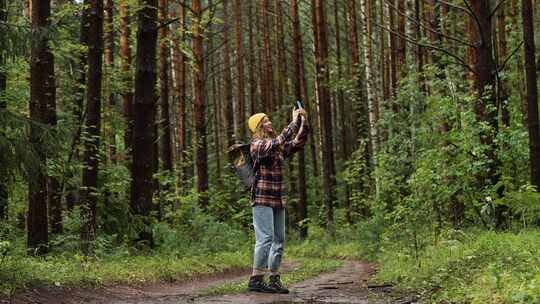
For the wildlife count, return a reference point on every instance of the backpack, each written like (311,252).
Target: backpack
(244,165)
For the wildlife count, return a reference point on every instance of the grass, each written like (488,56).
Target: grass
(478,267)
(20,272)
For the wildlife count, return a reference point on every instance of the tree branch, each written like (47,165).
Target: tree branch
(501,2)
(434,47)
(510,56)
(473,15)
(186,6)
(429,28)
(456,7)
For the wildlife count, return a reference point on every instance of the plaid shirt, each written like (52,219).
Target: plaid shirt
(269,187)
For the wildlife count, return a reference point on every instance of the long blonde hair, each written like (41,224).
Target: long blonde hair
(261,133)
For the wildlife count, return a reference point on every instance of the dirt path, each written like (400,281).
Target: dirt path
(348,284)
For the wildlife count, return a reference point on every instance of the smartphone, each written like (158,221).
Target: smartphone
(299,104)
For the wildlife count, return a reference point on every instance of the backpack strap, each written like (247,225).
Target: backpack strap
(256,167)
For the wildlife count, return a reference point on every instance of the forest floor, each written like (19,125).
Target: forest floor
(347,284)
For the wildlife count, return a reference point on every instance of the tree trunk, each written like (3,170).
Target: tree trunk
(486,103)
(532,92)
(341,95)
(267,61)
(402,44)
(127,93)
(418,8)
(164,53)
(301,209)
(325,113)
(355,60)
(393,51)
(252,63)
(341,106)
(282,89)
(370,86)
(311,108)
(181,93)
(92,124)
(519,64)
(228,105)
(3,106)
(240,104)
(484,67)
(217,118)
(54,191)
(144,107)
(42,88)
(503,53)
(109,67)
(199,103)
(384,55)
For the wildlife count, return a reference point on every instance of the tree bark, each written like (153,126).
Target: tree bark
(301,209)
(341,95)
(142,185)
(109,67)
(486,103)
(393,51)
(215,97)
(228,114)
(402,44)
(341,106)
(3,106)
(502,53)
(384,56)
(240,104)
(484,67)
(127,93)
(199,103)
(164,52)
(181,94)
(252,63)
(322,77)
(532,92)
(267,59)
(42,88)
(92,124)
(519,63)
(355,61)
(282,89)
(370,87)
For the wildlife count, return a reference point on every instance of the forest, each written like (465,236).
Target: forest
(422,162)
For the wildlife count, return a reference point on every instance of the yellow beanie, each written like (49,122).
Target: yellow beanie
(254,121)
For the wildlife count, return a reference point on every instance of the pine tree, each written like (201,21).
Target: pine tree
(42,88)
(532,91)
(92,124)
(144,109)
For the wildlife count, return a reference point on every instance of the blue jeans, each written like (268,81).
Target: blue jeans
(269,224)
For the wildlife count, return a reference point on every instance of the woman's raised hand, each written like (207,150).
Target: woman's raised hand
(299,112)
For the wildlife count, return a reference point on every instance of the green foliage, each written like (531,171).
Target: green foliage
(189,230)
(471,267)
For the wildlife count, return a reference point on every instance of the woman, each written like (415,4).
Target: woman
(267,197)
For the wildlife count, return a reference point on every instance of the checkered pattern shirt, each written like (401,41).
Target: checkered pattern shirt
(268,189)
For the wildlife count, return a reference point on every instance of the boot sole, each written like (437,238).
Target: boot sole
(261,290)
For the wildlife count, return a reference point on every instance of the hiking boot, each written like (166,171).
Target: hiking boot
(275,284)
(257,283)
